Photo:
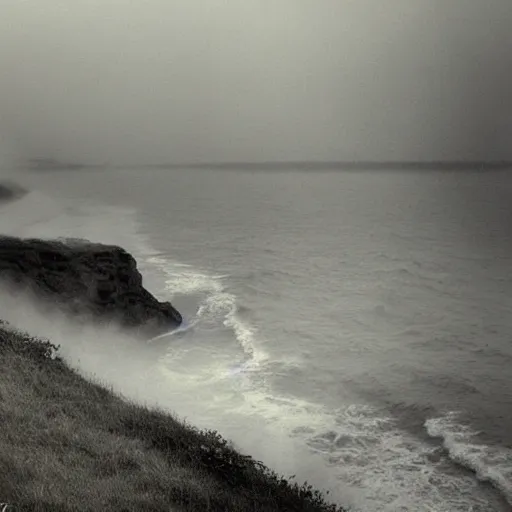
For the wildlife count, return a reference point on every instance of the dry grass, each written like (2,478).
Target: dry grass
(70,445)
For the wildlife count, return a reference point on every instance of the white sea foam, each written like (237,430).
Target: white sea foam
(490,464)
(373,464)
(217,303)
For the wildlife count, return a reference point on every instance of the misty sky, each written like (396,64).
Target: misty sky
(131,81)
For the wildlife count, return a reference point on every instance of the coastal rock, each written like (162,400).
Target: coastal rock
(10,191)
(88,280)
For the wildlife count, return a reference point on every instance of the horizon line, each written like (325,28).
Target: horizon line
(343,164)
(48,163)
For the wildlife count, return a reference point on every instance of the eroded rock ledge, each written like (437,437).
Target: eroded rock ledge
(88,280)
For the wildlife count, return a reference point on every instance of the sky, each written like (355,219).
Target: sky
(154,81)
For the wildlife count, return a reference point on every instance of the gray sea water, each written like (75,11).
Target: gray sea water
(353,328)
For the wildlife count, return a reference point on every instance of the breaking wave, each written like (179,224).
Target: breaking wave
(489,464)
(215,303)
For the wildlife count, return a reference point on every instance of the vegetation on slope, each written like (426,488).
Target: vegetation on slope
(67,444)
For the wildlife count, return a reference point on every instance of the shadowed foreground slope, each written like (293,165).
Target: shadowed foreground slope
(70,445)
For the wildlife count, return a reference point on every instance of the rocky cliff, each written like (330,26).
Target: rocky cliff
(87,280)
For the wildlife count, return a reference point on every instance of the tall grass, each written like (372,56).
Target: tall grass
(67,444)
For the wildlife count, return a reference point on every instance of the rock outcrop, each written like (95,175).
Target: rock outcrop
(88,280)
(10,191)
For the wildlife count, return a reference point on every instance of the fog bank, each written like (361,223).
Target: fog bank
(158,81)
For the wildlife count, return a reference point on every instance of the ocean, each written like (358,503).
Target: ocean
(351,328)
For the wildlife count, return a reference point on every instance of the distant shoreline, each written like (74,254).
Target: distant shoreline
(343,165)
(360,165)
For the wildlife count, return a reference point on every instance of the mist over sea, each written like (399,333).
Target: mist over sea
(352,328)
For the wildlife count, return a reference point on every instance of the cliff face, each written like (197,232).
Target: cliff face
(90,281)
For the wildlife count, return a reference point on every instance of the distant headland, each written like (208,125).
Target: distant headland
(51,164)
(47,164)
(347,165)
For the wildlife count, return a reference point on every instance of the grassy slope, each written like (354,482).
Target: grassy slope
(67,444)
